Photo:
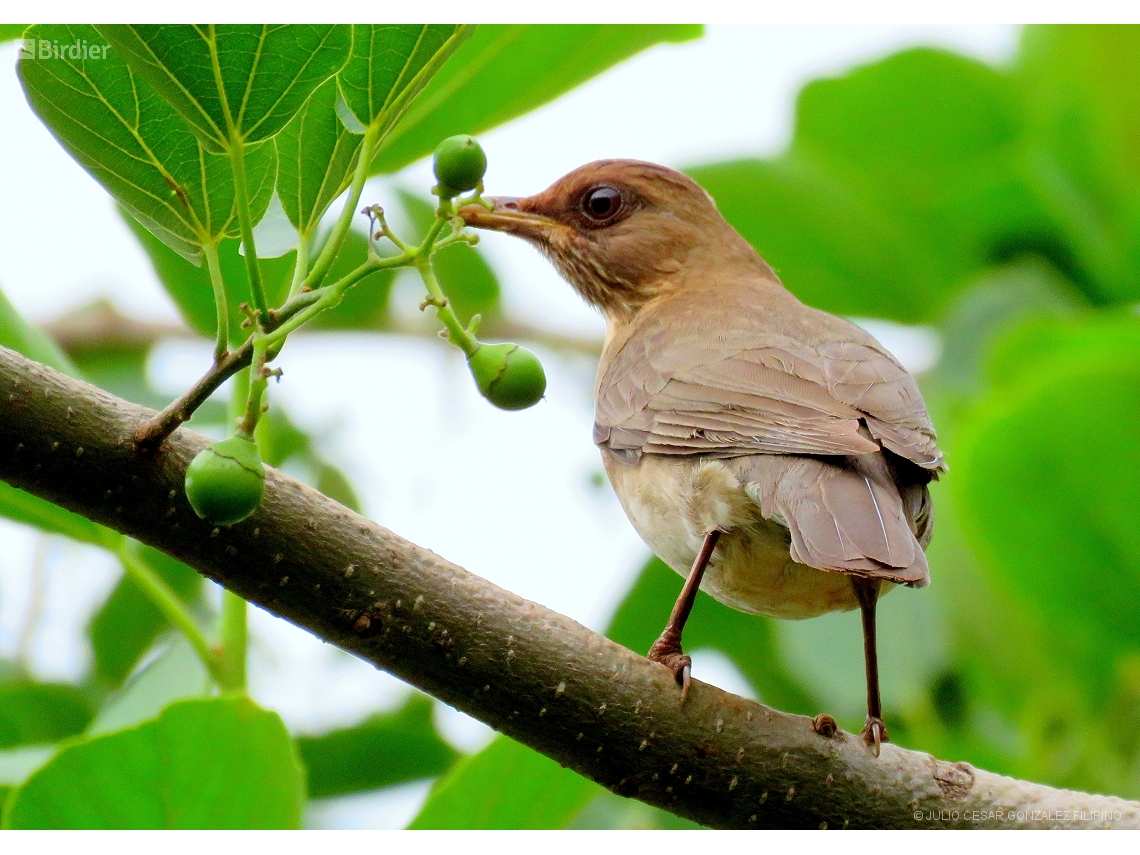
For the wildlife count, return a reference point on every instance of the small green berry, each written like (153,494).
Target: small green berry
(459,165)
(225,482)
(509,376)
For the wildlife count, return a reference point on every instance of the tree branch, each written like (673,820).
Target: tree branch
(535,675)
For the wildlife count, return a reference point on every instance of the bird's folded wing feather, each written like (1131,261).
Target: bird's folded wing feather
(732,380)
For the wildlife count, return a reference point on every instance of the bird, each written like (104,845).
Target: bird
(775,456)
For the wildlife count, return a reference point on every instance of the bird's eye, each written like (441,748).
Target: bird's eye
(601,203)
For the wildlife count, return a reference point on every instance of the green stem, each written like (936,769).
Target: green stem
(336,237)
(299,268)
(457,334)
(167,602)
(221,345)
(333,294)
(235,642)
(233,628)
(258,383)
(245,223)
(238,397)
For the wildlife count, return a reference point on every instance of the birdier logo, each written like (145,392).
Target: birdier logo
(79,49)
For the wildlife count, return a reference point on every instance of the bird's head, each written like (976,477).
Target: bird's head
(622,232)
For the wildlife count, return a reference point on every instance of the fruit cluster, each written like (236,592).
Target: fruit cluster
(225,482)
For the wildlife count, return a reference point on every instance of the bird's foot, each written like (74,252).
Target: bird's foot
(667,651)
(874,733)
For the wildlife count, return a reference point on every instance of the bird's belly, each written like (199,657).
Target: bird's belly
(672,502)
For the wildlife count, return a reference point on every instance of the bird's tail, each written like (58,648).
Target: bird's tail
(845,516)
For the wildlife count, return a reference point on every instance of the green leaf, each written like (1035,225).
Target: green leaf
(39,713)
(235,81)
(904,178)
(1083,88)
(467,280)
(25,508)
(382,751)
(830,246)
(175,675)
(390,64)
(120,368)
(219,763)
(609,811)
(8,32)
(748,640)
(504,71)
(506,786)
(189,285)
(135,145)
(17,765)
(128,623)
(316,155)
(18,335)
(1037,486)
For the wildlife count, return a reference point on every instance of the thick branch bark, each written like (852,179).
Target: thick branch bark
(533,674)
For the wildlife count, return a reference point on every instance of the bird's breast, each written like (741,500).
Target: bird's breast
(673,502)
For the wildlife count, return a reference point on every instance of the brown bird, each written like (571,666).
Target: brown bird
(775,455)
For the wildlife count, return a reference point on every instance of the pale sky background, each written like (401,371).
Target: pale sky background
(506,495)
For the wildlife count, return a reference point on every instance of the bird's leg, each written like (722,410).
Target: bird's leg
(667,648)
(867,593)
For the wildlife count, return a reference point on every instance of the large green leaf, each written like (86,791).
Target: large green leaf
(189,285)
(233,81)
(137,146)
(831,246)
(1044,483)
(390,64)
(212,763)
(18,335)
(1083,87)
(503,71)
(506,786)
(31,510)
(315,155)
(121,367)
(382,751)
(128,623)
(904,177)
(39,713)
(174,675)
(11,31)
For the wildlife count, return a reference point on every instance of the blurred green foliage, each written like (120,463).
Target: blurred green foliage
(998,206)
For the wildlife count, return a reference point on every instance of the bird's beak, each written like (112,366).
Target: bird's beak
(507,214)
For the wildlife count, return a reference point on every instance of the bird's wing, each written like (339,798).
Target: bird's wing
(727,381)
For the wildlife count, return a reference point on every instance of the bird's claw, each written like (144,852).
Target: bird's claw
(874,734)
(668,653)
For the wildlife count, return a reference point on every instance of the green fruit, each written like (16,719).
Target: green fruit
(509,376)
(225,482)
(459,165)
